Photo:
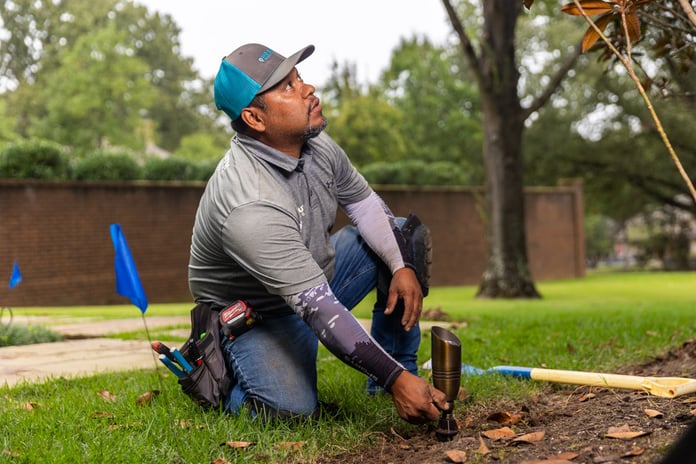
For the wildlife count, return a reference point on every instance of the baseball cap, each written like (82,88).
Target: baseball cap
(249,70)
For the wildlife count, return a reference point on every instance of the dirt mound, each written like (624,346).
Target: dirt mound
(563,425)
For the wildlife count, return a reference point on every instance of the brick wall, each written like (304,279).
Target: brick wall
(59,234)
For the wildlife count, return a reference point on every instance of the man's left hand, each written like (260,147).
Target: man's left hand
(405,286)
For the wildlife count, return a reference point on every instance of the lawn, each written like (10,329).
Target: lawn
(598,323)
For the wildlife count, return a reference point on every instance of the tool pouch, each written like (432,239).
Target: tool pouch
(207,384)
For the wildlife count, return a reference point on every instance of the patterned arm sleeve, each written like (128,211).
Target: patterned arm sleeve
(343,335)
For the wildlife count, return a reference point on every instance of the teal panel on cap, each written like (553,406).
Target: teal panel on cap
(233,90)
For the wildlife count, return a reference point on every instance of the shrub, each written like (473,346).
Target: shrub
(34,159)
(173,168)
(107,165)
(14,334)
(415,172)
(205,169)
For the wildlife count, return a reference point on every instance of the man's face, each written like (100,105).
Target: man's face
(292,110)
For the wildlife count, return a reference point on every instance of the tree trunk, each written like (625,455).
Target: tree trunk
(507,273)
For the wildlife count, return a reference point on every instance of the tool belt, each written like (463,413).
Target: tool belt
(207,382)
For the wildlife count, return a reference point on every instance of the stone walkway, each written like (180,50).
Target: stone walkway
(84,351)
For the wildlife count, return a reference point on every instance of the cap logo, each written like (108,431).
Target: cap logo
(265,55)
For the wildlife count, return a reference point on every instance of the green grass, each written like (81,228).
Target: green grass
(596,323)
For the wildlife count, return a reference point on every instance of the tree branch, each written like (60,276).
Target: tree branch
(467,47)
(542,98)
(686,6)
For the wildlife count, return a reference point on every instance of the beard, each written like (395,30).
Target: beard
(313,131)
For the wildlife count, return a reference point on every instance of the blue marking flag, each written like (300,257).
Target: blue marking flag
(16,276)
(127,278)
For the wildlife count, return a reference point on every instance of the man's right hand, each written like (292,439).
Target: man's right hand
(416,400)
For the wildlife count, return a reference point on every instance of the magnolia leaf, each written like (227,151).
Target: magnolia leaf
(624,433)
(533,437)
(239,444)
(482,449)
(456,455)
(633,453)
(551,460)
(146,398)
(633,26)
(591,36)
(590,7)
(107,396)
(29,405)
(503,417)
(653,413)
(497,434)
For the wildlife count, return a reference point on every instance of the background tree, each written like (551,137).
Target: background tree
(97,94)
(419,124)
(41,33)
(497,75)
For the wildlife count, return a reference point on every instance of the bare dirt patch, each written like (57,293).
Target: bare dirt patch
(562,425)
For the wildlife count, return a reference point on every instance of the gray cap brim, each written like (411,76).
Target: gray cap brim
(285,67)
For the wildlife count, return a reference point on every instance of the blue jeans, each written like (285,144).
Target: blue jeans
(274,365)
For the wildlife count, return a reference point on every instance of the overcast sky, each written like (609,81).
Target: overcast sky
(363,32)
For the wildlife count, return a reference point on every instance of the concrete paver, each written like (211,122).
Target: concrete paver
(85,351)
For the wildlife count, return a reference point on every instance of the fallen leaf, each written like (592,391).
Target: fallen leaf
(624,433)
(107,395)
(503,417)
(693,412)
(290,445)
(633,453)
(405,446)
(101,415)
(124,426)
(620,428)
(653,413)
(547,461)
(497,434)
(533,437)
(483,449)
(462,394)
(11,453)
(238,444)
(456,455)
(29,405)
(568,456)
(221,461)
(586,396)
(146,398)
